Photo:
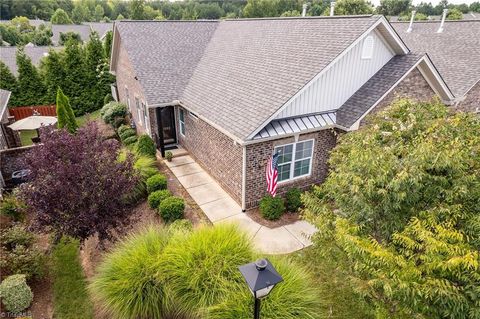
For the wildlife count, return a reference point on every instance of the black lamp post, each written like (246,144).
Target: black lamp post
(261,277)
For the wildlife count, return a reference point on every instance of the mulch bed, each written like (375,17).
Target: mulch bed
(286,219)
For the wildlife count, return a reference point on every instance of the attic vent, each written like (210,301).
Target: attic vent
(367,50)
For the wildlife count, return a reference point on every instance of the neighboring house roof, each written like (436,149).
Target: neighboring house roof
(455,51)
(4,98)
(82,29)
(8,55)
(164,54)
(101,27)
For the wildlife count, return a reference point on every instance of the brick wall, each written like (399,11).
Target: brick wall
(258,154)
(413,86)
(472,100)
(125,76)
(215,152)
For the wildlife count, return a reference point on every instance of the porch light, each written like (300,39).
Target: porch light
(261,278)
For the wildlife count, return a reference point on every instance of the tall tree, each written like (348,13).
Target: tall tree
(66,118)
(60,17)
(401,210)
(99,13)
(31,89)
(137,9)
(260,8)
(394,7)
(53,69)
(76,76)
(108,44)
(353,7)
(81,13)
(97,75)
(7,80)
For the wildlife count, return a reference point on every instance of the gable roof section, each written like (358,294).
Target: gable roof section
(252,67)
(455,51)
(164,54)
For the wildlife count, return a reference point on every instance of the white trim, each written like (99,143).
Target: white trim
(294,160)
(438,77)
(356,125)
(112,71)
(381,21)
(137,109)
(367,47)
(180,122)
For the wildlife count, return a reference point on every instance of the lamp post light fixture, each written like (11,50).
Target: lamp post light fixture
(261,278)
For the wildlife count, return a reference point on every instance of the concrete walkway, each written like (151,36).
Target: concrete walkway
(221,208)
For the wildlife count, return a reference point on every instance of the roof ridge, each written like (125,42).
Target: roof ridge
(437,21)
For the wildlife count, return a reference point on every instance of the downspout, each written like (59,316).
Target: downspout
(244,179)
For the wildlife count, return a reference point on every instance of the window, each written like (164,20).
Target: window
(295,160)
(127,96)
(139,111)
(367,50)
(182,121)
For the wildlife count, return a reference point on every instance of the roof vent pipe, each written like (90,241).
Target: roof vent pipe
(411,21)
(332,8)
(304,10)
(440,30)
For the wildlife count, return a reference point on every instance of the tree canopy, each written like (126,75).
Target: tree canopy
(401,208)
(60,17)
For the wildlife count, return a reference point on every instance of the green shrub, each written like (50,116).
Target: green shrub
(145,166)
(156,182)
(180,225)
(200,267)
(171,208)
(294,297)
(293,199)
(126,133)
(70,295)
(126,284)
(155,198)
(113,110)
(118,121)
(12,208)
(15,293)
(15,236)
(108,98)
(272,207)
(130,140)
(146,146)
(122,129)
(168,156)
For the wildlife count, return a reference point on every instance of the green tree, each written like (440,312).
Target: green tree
(291,13)
(260,9)
(394,7)
(426,8)
(69,36)
(31,89)
(401,211)
(99,12)
(108,43)
(75,80)
(454,14)
(66,118)
(42,35)
(81,13)
(10,34)
(137,9)
(60,17)
(352,7)
(53,69)
(7,80)
(22,24)
(475,6)
(96,75)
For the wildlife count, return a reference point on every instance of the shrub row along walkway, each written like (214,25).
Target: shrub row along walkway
(219,207)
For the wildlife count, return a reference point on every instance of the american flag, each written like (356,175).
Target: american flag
(271,174)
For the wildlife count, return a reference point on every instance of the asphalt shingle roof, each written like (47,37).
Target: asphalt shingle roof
(455,52)
(8,55)
(164,54)
(375,88)
(82,29)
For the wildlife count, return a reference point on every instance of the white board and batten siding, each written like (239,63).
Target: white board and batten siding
(334,87)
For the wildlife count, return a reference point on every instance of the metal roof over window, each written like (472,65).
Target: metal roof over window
(297,124)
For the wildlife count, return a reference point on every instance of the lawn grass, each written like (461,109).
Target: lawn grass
(70,296)
(26,136)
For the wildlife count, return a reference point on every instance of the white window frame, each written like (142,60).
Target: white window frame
(127,93)
(145,117)
(181,123)
(139,111)
(292,162)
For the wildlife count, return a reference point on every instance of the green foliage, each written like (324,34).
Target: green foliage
(99,78)
(66,118)
(272,208)
(168,155)
(352,7)
(291,13)
(146,146)
(42,35)
(60,17)
(155,198)
(407,16)
(126,133)
(53,71)
(454,14)
(30,86)
(108,44)
(293,199)
(81,13)
(69,36)
(7,80)
(15,293)
(70,295)
(156,182)
(180,225)
(19,255)
(11,207)
(400,208)
(130,140)
(171,208)
(108,98)
(75,77)
(394,7)
(113,110)
(146,167)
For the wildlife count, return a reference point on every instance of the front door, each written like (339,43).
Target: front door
(168,125)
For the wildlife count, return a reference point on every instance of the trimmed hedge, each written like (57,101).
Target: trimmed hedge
(293,199)
(127,133)
(155,198)
(156,182)
(272,207)
(122,129)
(15,293)
(112,110)
(172,208)
(146,146)
(130,140)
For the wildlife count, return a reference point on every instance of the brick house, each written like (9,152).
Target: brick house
(233,92)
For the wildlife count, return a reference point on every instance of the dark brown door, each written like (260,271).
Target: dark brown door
(168,125)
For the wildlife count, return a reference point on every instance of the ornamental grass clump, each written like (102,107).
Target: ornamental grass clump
(15,293)
(172,208)
(126,285)
(201,267)
(146,146)
(155,198)
(156,182)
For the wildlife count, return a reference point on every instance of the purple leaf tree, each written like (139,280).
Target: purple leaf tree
(77,186)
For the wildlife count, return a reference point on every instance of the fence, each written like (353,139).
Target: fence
(26,111)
